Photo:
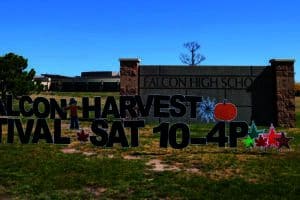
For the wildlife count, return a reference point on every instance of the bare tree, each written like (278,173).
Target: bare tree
(194,58)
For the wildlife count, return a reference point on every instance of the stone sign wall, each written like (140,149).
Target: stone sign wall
(261,93)
(129,76)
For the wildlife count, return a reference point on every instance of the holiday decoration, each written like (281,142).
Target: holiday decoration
(271,137)
(206,110)
(283,141)
(225,111)
(261,142)
(82,136)
(248,142)
(253,131)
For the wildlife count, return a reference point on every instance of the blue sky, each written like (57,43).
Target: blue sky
(67,37)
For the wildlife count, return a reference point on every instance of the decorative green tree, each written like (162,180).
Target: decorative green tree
(14,79)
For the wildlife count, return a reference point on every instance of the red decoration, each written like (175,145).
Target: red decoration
(271,137)
(225,111)
(283,141)
(261,142)
(82,136)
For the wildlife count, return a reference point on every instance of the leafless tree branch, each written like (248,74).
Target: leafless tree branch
(193,58)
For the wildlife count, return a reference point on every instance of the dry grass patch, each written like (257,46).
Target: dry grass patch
(158,166)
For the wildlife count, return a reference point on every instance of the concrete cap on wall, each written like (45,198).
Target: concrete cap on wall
(282,61)
(129,60)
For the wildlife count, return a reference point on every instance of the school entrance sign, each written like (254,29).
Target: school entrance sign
(173,95)
(264,94)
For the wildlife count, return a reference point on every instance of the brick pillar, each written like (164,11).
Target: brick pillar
(284,92)
(129,76)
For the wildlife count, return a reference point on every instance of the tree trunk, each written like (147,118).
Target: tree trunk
(193,57)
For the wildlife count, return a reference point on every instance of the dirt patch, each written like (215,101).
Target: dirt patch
(65,126)
(110,156)
(193,170)
(69,150)
(88,153)
(96,191)
(73,150)
(130,157)
(158,166)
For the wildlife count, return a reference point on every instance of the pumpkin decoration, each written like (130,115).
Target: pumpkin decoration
(225,111)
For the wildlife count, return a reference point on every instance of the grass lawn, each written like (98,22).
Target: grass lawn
(83,171)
